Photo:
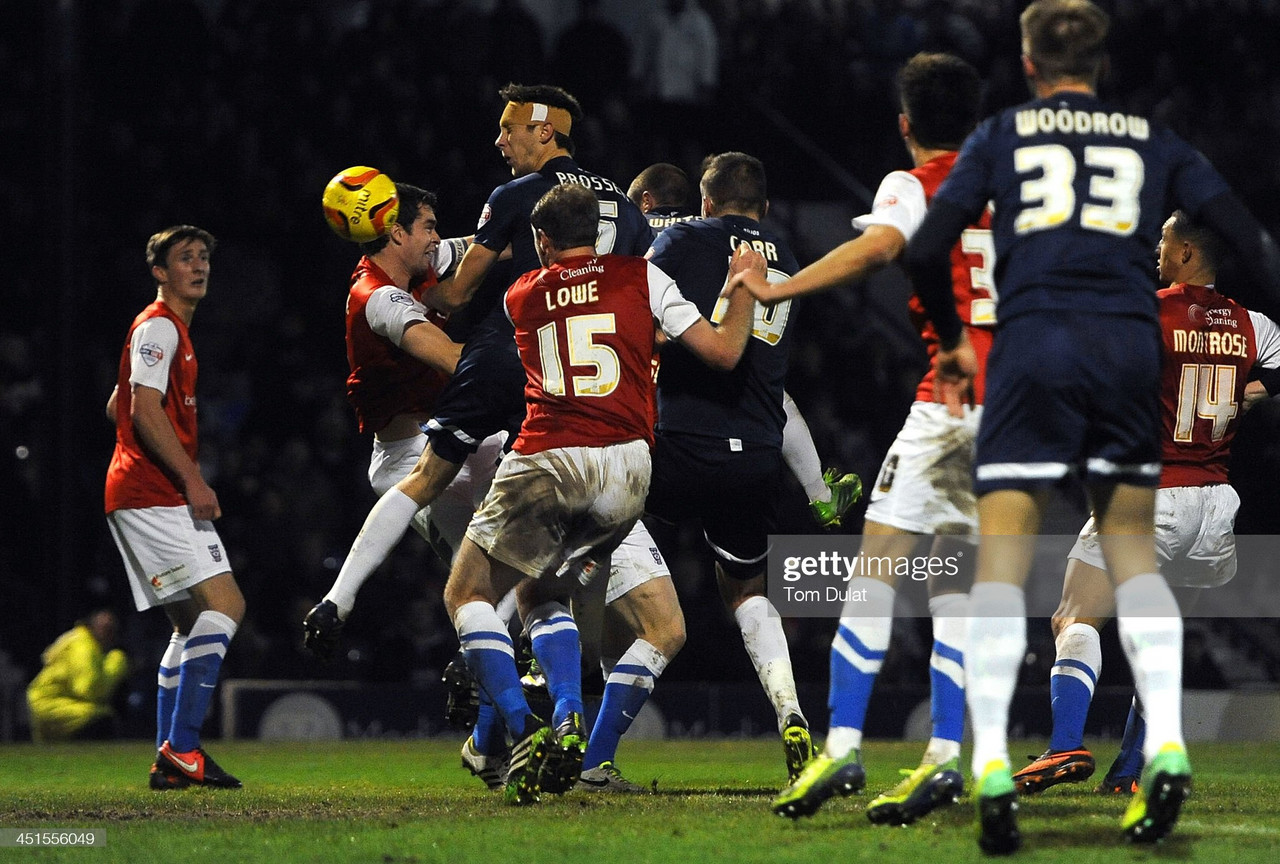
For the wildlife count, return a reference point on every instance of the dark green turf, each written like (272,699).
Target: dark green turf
(408,801)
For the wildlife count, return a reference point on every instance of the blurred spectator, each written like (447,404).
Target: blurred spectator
(70,698)
(678,69)
(944,28)
(516,49)
(592,60)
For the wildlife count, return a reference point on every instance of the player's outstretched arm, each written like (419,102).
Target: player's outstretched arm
(721,346)
(849,262)
(455,292)
(428,343)
(157,434)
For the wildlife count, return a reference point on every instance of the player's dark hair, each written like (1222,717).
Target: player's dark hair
(941,96)
(1208,242)
(735,181)
(1065,39)
(568,214)
(162,241)
(548,94)
(667,183)
(412,200)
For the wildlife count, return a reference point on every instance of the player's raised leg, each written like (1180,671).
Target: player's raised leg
(830,492)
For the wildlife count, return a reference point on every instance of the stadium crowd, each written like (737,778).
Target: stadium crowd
(234,114)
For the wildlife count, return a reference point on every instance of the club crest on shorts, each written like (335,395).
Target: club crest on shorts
(215,553)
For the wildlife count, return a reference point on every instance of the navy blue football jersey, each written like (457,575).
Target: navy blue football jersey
(505,219)
(486,393)
(745,403)
(1079,192)
(664,217)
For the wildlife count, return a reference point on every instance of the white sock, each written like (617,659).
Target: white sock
(1151,633)
(506,607)
(383,528)
(995,646)
(1082,644)
(800,454)
(766,644)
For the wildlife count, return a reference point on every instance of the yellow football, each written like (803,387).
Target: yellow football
(360,204)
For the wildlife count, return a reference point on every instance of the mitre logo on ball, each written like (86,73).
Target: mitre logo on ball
(360,203)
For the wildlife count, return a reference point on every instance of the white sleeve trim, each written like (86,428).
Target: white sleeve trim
(151,351)
(390,310)
(675,314)
(1268,336)
(899,203)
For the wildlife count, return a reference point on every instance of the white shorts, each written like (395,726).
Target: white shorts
(925,485)
(547,511)
(634,563)
(165,552)
(1195,538)
(447,517)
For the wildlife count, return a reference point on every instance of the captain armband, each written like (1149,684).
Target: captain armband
(448,254)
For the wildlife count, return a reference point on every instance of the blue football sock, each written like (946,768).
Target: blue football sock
(167,686)
(198,676)
(625,692)
(946,698)
(946,673)
(1071,684)
(1129,762)
(488,735)
(554,638)
(491,657)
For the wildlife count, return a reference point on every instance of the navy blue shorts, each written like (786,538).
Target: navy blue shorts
(1071,393)
(732,492)
(484,396)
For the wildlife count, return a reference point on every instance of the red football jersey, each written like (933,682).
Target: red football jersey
(972,267)
(1209,348)
(584,328)
(134,480)
(384,380)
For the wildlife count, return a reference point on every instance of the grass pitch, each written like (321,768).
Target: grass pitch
(408,801)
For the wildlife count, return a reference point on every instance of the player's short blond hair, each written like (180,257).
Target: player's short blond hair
(1065,39)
